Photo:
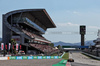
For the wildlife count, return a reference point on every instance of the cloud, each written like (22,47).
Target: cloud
(77,13)
(93,27)
(67,24)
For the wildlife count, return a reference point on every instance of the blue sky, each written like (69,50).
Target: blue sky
(66,14)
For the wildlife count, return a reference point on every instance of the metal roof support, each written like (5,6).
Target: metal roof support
(19,18)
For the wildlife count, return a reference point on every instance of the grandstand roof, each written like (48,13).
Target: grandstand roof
(39,14)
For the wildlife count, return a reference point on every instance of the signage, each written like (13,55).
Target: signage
(3,58)
(2,46)
(9,46)
(12,57)
(48,57)
(20,47)
(55,57)
(43,57)
(35,57)
(25,57)
(30,57)
(39,57)
(6,46)
(52,57)
(16,46)
(19,58)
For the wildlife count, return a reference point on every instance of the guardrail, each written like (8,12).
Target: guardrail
(91,55)
(62,54)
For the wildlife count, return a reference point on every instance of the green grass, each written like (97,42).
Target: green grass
(66,56)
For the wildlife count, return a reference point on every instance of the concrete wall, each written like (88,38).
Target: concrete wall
(6,32)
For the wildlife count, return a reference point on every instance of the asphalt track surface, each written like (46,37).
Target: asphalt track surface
(34,62)
(82,60)
(79,64)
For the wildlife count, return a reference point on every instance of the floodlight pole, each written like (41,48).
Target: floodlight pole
(82,39)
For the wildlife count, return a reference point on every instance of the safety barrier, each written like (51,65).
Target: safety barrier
(29,57)
(3,58)
(62,54)
(91,55)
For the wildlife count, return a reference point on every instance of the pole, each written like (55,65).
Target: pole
(11,33)
(4,49)
(97,52)
(26,49)
(82,40)
(12,47)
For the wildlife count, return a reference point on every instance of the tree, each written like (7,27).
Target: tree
(52,45)
(59,47)
(13,42)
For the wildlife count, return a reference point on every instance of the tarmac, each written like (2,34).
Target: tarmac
(82,60)
(33,62)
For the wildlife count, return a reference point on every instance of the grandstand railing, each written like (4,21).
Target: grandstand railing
(25,19)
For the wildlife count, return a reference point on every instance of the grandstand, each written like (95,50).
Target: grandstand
(26,27)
